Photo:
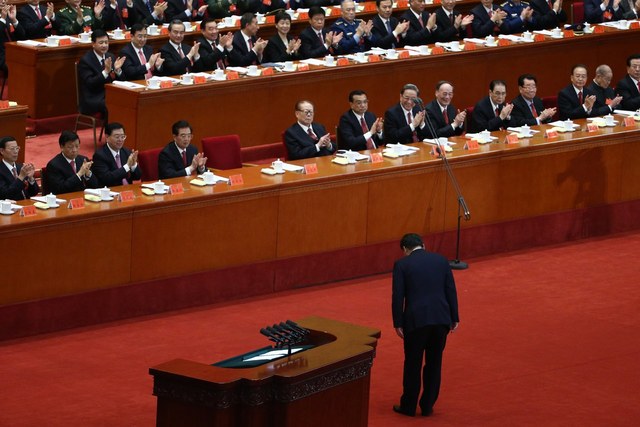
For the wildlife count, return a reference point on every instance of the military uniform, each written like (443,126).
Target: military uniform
(350,43)
(68,24)
(513,23)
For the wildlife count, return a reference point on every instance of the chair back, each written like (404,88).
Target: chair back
(577,12)
(222,152)
(263,154)
(148,160)
(44,185)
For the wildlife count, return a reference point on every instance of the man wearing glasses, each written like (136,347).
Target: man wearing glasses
(491,112)
(114,164)
(527,107)
(141,62)
(17,180)
(404,122)
(629,86)
(306,139)
(179,157)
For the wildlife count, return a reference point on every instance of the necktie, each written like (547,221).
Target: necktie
(320,37)
(445,116)
(148,4)
(119,165)
(250,42)
(638,86)
(365,129)
(73,166)
(580,97)
(180,52)
(37,9)
(497,111)
(388,25)
(311,134)
(451,18)
(550,4)
(184,157)
(14,172)
(143,61)
(421,21)
(533,110)
(119,14)
(414,135)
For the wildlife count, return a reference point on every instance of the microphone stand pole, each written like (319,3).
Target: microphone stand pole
(463,210)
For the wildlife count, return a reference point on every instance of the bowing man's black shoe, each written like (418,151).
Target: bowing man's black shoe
(400,410)
(427,413)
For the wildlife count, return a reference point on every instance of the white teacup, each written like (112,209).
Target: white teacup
(158,187)
(485,135)
(360,56)
(85,37)
(208,177)
(587,27)
(187,25)
(278,165)
(105,193)
(288,65)
(187,79)
(568,125)
(557,32)
(329,60)
(52,42)
(253,70)
(5,207)
(424,49)
(608,120)
(228,20)
(351,156)
(527,35)
(51,200)
(392,53)
(218,74)
(153,30)
(490,40)
(623,23)
(117,33)
(153,83)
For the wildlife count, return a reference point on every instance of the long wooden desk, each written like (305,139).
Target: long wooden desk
(264,231)
(259,109)
(13,122)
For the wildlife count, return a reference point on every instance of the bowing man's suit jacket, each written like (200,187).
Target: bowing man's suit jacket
(350,131)
(13,188)
(108,173)
(301,146)
(61,179)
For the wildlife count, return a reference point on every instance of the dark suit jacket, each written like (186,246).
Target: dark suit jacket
(176,10)
(13,188)
(484,117)
(7,36)
(350,132)
(482,26)
(132,69)
(108,173)
(396,128)
(301,146)
(417,34)
(34,27)
(381,37)
(170,163)
(521,113)
(437,120)
(91,83)
(173,64)
(61,179)
(447,32)
(568,105)
(545,17)
(210,56)
(240,55)
(593,14)
(311,46)
(600,107)
(630,94)
(626,11)
(423,291)
(118,18)
(276,51)
(143,14)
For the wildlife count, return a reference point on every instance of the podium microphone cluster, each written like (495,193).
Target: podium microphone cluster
(285,334)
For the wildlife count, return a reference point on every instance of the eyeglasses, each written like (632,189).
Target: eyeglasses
(186,135)
(529,86)
(119,137)
(306,112)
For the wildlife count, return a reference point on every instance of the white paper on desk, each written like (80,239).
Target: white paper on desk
(167,79)
(274,354)
(292,168)
(440,141)
(480,137)
(475,41)
(620,25)
(239,70)
(43,199)
(513,38)
(207,76)
(522,130)
(128,85)
(313,61)
(150,187)
(450,46)
(32,43)
(216,178)
(415,50)
(355,58)
(601,121)
(356,156)
(547,33)
(402,150)
(561,124)
(626,112)
(96,192)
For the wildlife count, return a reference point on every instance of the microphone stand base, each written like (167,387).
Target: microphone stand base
(456,264)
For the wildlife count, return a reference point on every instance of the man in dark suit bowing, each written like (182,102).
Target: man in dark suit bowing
(527,107)
(451,24)
(306,139)
(424,306)
(547,16)
(38,19)
(422,25)
(95,69)
(629,86)
(445,119)
(150,12)
(404,122)
(17,181)
(179,157)
(247,48)
(387,32)
(606,98)
(140,63)
(488,19)
(214,49)
(491,113)
(113,163)
(179,58)
(576,101)
(69,171)
(316,41)
(359,129)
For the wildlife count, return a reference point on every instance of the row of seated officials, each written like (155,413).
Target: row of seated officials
(359,129)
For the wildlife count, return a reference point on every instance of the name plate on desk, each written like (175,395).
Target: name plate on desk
(176,189)
(376,158)
(471,145)
(77,203)
(4,104)
(311,168)
(235,180)
(592,127)
(28,210)
(126,196)
(629,121)
(551,133)
(512,138)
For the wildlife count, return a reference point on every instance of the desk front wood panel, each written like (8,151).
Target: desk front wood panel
(260,109)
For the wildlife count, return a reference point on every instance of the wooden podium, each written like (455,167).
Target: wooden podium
(325,385)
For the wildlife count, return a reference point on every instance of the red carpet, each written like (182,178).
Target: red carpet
(548,337)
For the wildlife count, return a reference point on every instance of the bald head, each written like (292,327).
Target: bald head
(603,76)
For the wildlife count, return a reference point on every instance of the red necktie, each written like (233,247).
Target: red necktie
(73,166)
(533,110)
(184,158)
(580,97)
(452,18)
(415,134)
(37,9)
(119,165)
(421,21)
(143,61)
(638,86)
(311,134)
(445,116)
(497,111)
(365,129)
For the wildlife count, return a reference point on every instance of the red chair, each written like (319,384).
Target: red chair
(577,12)
(222,152)
(468,118)
(148,161)
(263,154)
(44,185)
(551,102)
